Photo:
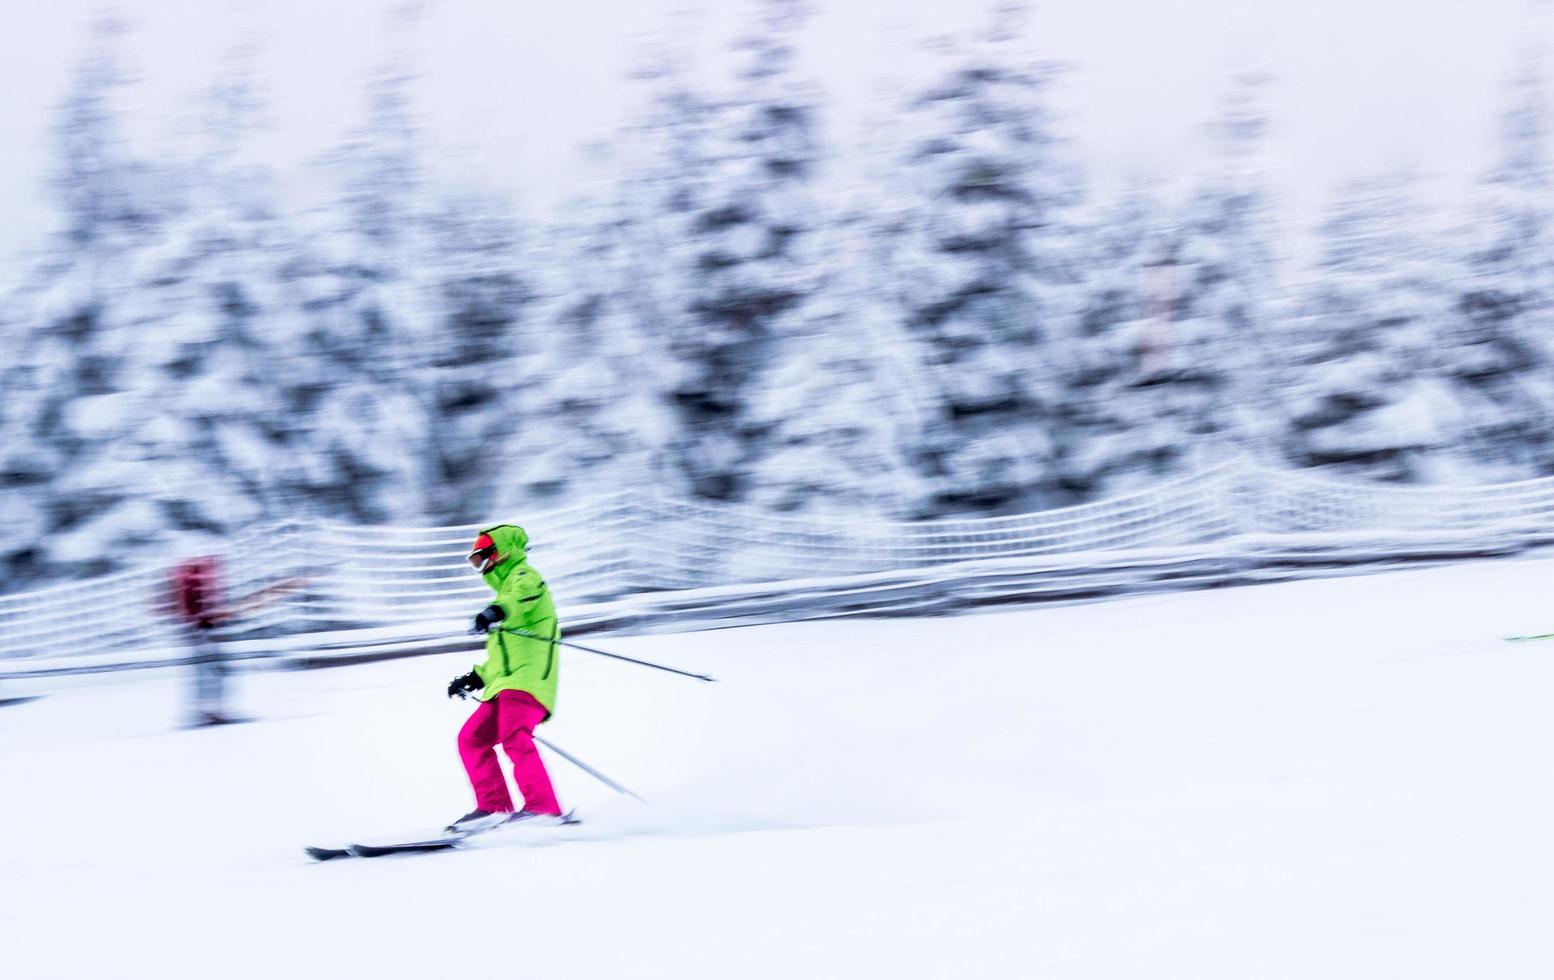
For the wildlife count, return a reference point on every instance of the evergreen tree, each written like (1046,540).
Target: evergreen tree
(370,287)
(747,266)
(481,358)
(223,294)
(1501,347)
(833,413)
(594,409)
(77,382)
(592,416)
(107,196)
(986,260)
(1209,371)
(1113,440)
(1367,394)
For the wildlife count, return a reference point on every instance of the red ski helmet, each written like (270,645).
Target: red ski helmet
(483,556)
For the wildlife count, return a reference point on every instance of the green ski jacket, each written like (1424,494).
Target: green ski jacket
(515,662)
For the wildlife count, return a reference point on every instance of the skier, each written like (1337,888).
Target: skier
(195,598)
(196,601)
(517,681)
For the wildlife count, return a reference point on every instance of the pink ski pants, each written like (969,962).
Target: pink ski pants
(507,720)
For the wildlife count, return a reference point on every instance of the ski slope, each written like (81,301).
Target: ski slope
(1342,778)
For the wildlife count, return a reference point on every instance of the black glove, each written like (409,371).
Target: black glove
(460,687)
(487,618)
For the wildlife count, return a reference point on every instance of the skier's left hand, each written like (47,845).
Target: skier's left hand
(460,687)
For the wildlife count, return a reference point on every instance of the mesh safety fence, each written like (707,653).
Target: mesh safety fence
(632,558)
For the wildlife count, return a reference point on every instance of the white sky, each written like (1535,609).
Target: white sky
(513,87)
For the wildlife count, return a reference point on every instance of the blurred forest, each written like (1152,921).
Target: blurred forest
(962,327)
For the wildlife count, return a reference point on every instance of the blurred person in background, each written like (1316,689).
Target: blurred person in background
(196,601)
(517,682)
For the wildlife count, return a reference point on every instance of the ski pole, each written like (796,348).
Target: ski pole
(606,653)
(579,763)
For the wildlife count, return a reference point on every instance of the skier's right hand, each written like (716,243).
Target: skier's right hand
(460,687)
(487,618)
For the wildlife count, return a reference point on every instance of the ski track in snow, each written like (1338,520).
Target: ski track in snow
(1340,778)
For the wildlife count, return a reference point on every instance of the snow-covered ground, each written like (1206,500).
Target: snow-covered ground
(1347,778)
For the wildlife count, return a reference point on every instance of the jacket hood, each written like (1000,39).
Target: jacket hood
(511,542)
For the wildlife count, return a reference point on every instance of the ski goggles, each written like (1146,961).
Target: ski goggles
(483,555)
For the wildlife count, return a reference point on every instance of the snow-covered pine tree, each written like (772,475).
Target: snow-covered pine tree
(75,388)
(1366,394)
(1207,374)
(107,195)
(833,413)
(986,259)
(1501,348)
(593,410)
(27,460)
(1112,440)
(746,222)
(215,310)
(481,357)
(368,285)
(589,414)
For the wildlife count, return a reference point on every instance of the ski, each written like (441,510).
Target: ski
(1533,636)
(381,850)
(407,847)
(444,842)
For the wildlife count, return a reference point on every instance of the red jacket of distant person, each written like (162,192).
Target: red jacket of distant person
(196,592)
